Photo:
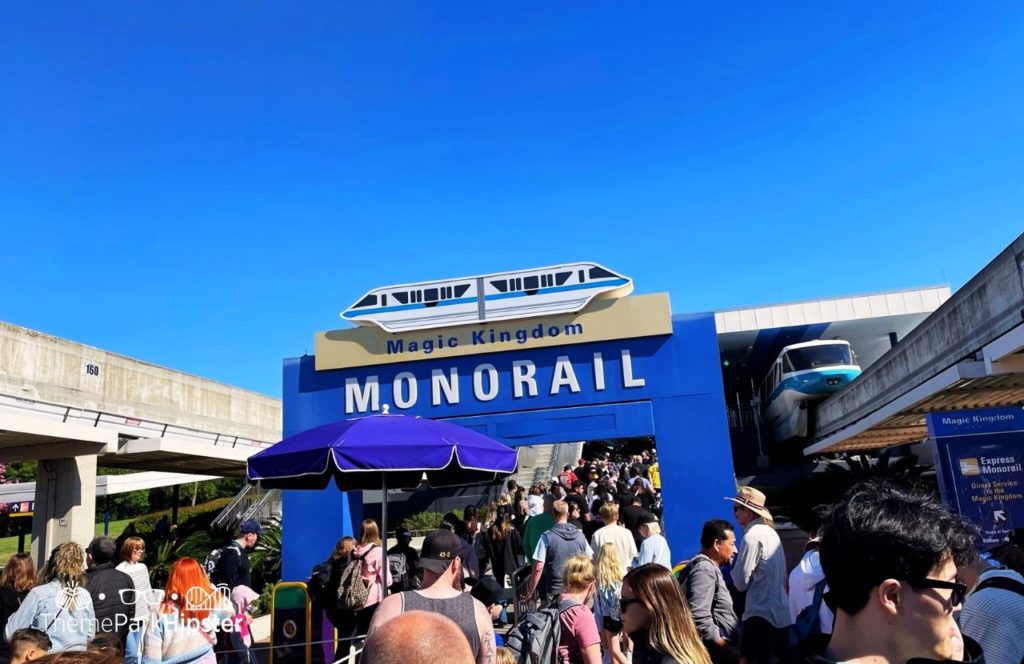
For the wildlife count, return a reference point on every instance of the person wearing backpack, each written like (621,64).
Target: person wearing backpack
(559,543)
(402,561)
(579,642)
(441,592)
(325,592)
(373,571)
(993,613)
(232,567)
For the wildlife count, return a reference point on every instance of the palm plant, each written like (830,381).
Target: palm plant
(266,558)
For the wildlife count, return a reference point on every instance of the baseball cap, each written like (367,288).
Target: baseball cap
(440,547)
(489,592)
(250,526)
(647,517)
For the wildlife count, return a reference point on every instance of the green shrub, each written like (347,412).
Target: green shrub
(425,521)
(193,516)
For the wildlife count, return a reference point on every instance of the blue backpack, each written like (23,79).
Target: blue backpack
(808,623)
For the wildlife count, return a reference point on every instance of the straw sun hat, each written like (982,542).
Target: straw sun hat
(753,500)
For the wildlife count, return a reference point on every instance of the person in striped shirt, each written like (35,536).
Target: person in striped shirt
(993,613)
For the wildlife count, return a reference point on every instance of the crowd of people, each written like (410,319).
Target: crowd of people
(96,605)
(888,575)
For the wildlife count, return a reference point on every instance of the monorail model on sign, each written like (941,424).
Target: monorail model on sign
(801,375)
(503,296)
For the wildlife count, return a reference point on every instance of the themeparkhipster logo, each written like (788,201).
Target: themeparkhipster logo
(216,601)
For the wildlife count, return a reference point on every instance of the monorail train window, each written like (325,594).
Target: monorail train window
(383,299)
(461,289)
(600,273)
(562,277)
(583,276)
(787,364)
(816,357)
(500,285)
(403,298)
(531,283)
(518,284)
(430,294)
(367,301)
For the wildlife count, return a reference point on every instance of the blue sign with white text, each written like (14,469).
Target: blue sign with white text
(668,387)
(980,457)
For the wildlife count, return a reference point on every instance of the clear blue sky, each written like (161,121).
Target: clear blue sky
(204,185)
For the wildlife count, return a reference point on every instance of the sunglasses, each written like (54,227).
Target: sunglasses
(959,589)
(625,602)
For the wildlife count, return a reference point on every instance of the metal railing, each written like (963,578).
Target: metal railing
(522,602)
(252,502)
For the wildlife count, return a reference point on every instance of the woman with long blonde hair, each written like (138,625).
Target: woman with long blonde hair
(606,601)
(60,605)
(657,619)
(182,628)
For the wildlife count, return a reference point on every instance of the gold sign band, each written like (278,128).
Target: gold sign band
(603,320)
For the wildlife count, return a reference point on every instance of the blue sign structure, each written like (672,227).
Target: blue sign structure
(980,461)
(667,386)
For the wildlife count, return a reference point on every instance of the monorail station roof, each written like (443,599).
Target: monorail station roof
(968,354)
(749,339)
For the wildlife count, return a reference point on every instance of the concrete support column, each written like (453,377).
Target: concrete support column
(65,508)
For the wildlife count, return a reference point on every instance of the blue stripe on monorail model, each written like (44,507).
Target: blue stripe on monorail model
(407,307)
(499,296)
(815,381)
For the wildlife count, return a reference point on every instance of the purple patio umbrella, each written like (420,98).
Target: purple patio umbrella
(382,451)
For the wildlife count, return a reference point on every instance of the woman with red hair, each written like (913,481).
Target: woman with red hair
(182,628)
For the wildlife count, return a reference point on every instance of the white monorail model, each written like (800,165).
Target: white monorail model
(503,296)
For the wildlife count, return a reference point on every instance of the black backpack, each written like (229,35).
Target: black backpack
(318,580)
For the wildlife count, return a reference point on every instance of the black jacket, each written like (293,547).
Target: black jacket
(112,613)
(503,553)
(643,654)
(10,600)
(233,567)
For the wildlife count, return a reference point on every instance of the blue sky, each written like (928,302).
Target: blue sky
(204,185)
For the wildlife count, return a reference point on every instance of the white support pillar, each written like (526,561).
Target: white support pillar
(65,508)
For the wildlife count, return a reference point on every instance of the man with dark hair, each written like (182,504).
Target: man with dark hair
(890,557)
(233,567)
(112,591)
(28,644)
(707,594)
(578,496)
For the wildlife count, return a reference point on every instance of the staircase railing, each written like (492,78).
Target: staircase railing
(252,502)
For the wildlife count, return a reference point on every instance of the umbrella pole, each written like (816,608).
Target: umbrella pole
(384,536)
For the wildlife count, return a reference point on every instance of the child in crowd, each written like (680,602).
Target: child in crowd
(28,644)
(241,636)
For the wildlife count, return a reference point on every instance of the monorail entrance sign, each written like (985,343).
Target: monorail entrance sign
(537,356)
